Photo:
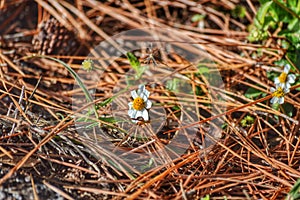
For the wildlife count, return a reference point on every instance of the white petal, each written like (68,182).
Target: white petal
(287,68)
(132,113)
(145,94)
(272,89)
(145,115)
(282,85)
(139,113)
(274,100)
(286,85)
(286,90)
(134,94)
(148,104)
(134,121)
(276,80)
(291,78)
(140,89)
(130,105)
(281,100)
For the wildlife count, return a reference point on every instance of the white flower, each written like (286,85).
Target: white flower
(278,94)
(285,80)
(138,108)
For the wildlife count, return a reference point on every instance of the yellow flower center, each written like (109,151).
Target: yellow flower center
(138,103)
(278,93)
(282,77)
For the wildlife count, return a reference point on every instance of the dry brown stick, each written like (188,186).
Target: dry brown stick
(58,191)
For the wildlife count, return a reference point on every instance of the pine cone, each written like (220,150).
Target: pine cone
(54,38)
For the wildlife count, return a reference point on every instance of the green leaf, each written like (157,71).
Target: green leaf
(134,62)
(248,120)
(294,25)
(294,55)
(91,125)
(288,108)
(148,165)
(225,125)
(256,25)
(239,12)
(197,17)
(294,192)
(281,62)
(60,115)
(274,14)
(269,23)
(203,69)
(297,81)
(292,3)
(105,102)
(261,14)
(253,93)
(176,107)
(297,8)
(136,65)
(108,119)
(275,106)
(286,12)
(279,13)
(285,44)
(272,75)
(206,197)
(173,84)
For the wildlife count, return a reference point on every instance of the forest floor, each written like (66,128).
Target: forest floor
(67,72)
